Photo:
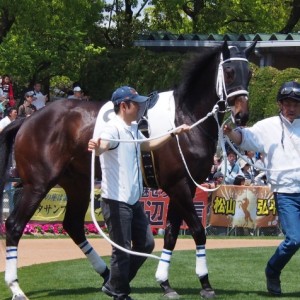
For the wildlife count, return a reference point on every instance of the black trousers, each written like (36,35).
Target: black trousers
(128,227)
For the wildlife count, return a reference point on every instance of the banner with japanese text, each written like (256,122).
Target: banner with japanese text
(53,207)
(243,206)
(156,202)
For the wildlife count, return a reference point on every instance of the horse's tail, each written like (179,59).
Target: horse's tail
(7,137)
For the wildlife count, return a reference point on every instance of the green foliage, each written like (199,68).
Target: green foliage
(263,91)
(47,38)
(219,16)
(144,70)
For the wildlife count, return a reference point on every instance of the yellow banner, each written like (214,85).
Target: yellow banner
(243,206)
(53,207)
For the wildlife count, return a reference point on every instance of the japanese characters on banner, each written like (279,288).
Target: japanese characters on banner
(53,207)
(243,206)
(156,202)
(231,206)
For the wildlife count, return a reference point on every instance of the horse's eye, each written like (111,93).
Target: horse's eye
(229,75)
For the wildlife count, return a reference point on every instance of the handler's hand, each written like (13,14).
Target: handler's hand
(182,128)
(227,129)
(93,144)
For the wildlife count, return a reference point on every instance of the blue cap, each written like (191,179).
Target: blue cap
(127,93)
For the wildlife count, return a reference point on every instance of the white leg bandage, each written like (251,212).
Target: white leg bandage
(201,267)
(11,277)
(97,262)
(162,272)
(11,265)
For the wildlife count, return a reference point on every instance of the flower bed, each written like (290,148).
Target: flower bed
(57,229)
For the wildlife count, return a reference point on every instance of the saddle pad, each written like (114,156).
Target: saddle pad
(160,117)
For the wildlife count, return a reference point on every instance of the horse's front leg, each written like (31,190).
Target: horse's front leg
(181,208)
(198,232)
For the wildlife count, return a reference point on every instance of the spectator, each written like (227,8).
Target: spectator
(218,178)
(232,167)
(27,108)
(239,180)
(11,115)
(245,167)
(278,138)
(215,167)
(215,181)
(259,163)
(39,99)
(123,213)
(3,101)
(8,91)
(77,93)
(250,156)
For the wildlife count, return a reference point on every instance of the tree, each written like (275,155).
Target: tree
(293,19)
(219,16)
(46,38)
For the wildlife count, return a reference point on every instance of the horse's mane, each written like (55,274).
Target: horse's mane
(199,73)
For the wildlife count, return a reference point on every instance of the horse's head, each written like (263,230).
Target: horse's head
(236,80)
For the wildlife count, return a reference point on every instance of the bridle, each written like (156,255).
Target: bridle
(221,85)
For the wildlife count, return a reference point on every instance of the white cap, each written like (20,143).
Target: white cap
(77,89)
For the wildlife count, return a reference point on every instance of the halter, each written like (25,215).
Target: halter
(221,86)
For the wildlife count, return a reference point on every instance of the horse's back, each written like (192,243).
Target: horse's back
(55,136)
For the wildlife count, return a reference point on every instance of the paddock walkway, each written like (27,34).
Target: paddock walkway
(37,251)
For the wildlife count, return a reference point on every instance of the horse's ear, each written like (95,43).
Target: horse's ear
(225,51)
(249,50)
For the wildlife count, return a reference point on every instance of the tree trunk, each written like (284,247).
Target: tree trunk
(293,19)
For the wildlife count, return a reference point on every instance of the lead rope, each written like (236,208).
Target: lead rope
(220,86)
(96,222)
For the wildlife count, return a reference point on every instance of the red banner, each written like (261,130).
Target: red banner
(156,203)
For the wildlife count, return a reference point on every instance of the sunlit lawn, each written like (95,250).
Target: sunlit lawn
(234,273)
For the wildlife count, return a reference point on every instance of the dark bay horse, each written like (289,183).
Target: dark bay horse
(51,148)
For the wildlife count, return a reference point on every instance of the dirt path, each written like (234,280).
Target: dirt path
(37,251)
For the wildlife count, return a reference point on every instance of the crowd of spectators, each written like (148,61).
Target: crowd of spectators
(32,100)
(247,169)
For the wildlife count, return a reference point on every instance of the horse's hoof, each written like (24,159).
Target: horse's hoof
(207,293)
(19,297)
(171,295)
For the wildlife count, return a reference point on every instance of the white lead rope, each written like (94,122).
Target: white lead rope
(96,222)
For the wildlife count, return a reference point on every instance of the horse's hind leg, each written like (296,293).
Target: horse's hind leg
(78,194)
(15,224)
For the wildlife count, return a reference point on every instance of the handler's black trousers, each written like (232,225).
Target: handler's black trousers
(127,226)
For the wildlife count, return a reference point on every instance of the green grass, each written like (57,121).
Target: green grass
(234,273)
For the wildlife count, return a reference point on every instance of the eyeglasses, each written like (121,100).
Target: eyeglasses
(289,90)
